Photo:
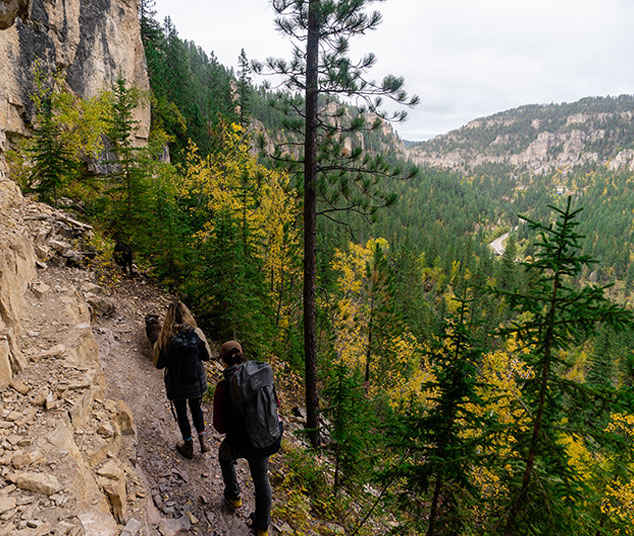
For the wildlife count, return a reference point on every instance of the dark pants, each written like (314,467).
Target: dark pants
(259,467)
(183,420)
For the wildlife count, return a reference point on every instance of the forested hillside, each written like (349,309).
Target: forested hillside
(456,392)
(539,139)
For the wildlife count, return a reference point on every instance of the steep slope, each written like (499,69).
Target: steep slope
(539,139)
(86,432)
(65,462)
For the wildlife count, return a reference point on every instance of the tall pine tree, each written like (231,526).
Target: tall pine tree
(334,171)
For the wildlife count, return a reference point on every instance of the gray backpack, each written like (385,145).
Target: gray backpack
(251,390)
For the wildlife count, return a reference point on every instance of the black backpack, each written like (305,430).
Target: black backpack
(252,392)
(183,363)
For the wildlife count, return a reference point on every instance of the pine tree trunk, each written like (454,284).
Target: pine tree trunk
(310,227)
(433,513)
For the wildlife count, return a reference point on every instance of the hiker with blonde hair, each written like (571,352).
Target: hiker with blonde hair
(181,349)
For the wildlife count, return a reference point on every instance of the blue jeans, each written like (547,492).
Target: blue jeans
(259,467)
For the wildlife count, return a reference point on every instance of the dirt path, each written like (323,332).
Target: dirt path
(187,493)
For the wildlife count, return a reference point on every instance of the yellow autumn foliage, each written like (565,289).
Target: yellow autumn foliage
(402,373)
(232,181)
(352,316)
(405,375)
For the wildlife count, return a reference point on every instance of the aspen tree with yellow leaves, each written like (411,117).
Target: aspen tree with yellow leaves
(247,237)
(368,337)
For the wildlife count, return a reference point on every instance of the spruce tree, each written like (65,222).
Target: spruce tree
(546,491)
(507,273)
(126,173)
(227,286)
(443,442)
(601,368)
(350,424)
(54,164)
(244,87)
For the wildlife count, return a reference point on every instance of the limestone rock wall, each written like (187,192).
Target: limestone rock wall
(91,41)
(17,270)
(67,452)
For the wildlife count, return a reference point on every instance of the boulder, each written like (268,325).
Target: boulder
(6,372)
(123,417)
(112,469)
(100,306)
(115,489)
(39,289)
(6,504)
(60,246)
(24,459)
(20,386)
(131,528)
(41,397)
(97,523)
(175,527)
(45,483)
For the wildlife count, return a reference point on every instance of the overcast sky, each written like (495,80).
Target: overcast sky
(464,58)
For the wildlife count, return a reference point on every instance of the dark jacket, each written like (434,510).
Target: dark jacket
(188,343)
(228,420)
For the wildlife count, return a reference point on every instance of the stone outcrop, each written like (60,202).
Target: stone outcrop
(17,270)
(91,42)
(66,450)
(12,9)
(538,139)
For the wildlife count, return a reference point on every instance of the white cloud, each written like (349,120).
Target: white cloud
(464,58)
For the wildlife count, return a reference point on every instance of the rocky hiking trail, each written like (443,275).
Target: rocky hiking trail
(86,433)
(166,494)
(187,492)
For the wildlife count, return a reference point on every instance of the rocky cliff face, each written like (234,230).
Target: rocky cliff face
(91,42)
(65,461)
(539,139)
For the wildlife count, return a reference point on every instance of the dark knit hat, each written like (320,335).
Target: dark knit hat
(230,350)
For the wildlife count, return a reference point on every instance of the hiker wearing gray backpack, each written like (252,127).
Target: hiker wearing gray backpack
(180,349)
(246,409)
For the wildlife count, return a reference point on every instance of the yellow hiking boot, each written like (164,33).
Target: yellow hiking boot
(234,502)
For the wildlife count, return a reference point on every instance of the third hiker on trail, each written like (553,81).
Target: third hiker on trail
(246,409)
(180,349)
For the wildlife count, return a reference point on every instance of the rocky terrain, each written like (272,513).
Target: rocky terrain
(539,139)
(89,42)
(87,435)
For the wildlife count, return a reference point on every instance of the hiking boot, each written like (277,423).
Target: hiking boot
(204,446)
(186,448)
(234,502)
(258,532)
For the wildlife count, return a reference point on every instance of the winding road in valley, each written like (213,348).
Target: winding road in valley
(498,244)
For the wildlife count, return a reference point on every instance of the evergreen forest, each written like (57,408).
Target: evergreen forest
(454,392)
